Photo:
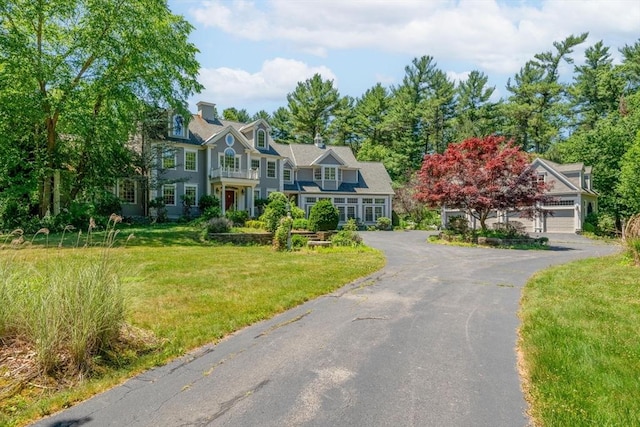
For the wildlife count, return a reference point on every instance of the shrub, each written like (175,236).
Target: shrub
(351,225)
(632,237)
(296,212)
(298,241)
(346,238)
(238,218)
(300,224)
(254,224)
(275,210)
(282,234)
(323,216)
(458,225)
(383,223)
(218,225)
(207,201)
(161,210)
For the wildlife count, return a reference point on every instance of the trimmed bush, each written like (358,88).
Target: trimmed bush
(298,241)
(323,216)
(383,223)
(218,225)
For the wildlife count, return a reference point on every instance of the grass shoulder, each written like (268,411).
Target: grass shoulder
(578,343)
(181,292)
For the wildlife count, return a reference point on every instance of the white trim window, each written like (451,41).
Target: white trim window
(169,159)
(271,169)
(178,128)
(261,139)
(256,194)
(286,175)
(317,174)
(191,160)
(169,194)
(373,209)
(330,173)
(191,190)
(127,191)
(229,160)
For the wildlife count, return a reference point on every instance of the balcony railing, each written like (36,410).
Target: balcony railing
(235,173)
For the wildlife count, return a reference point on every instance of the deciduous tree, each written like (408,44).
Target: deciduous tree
(479,176)
(81,68)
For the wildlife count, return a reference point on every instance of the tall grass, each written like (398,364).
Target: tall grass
(68,308)
(631,237)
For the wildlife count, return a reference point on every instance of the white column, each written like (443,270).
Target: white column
(577,217)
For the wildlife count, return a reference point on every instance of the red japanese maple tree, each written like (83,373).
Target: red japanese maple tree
(479,176)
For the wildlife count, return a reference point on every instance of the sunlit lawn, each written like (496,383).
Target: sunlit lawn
(580,338)
(189,293)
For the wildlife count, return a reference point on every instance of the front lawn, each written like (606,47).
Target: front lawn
(580,344)
(183,291)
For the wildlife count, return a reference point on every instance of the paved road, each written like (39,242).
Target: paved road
(427,341)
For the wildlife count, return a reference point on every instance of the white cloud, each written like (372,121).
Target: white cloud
(496,36)
(229,87)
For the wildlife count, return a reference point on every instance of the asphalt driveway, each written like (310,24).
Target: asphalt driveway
(427,341)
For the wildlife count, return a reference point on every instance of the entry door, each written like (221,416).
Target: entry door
(229,200)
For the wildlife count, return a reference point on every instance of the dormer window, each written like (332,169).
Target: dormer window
(261,139)
(286,175)
(178,128)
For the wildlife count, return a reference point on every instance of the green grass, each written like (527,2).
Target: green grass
(580,344)
(187,293)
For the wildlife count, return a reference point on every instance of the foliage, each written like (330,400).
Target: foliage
(323,216)
(282,234)
(209,206)
(537,105)
(629,183)
(300,224)
(160,209)
(180,318)
(187,203)
(296,212)
(298,241)
(458,225)
(631,237)
(69,312)
(479,176)
(311,106)
(76,75)
(255,224)
(579,341)
(274,211)
(238,218)
(218,225)
(348,236)
(383,223)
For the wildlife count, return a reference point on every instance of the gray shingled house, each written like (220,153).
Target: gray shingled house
(240,163)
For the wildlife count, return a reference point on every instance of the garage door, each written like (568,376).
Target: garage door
(561,222)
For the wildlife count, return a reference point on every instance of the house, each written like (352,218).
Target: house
(572,199)
(240,163)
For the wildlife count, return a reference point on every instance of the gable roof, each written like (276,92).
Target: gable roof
(559,170)
(373,176)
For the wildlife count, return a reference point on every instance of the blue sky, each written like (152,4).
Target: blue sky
(253,53)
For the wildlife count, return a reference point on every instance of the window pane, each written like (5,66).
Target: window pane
(255,163)
(127,189)
(330,174)
(262,139)
(168,159)
(317,174)
(271,169)
(169,194)
(286,174)
(190,161)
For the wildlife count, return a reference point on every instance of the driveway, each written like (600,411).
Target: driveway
(427,341)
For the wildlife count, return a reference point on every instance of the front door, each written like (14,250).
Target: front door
(229,200)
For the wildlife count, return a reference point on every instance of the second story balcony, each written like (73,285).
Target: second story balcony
(229,172)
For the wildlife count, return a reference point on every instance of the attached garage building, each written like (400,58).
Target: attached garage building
(573,199)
